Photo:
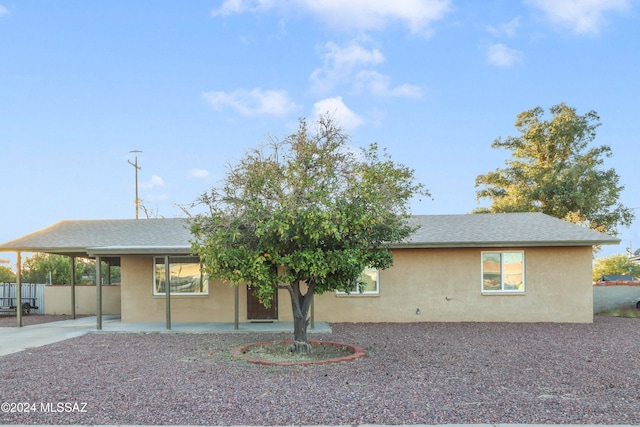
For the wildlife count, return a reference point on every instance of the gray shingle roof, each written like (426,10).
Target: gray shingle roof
(172,235)
(113,236)
(495,230)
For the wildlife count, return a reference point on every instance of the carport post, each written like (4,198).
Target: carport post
(236,305)
(73,286)
(19,288)
(167,290)
(98,294)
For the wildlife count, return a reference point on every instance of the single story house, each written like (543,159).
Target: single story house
(512,267)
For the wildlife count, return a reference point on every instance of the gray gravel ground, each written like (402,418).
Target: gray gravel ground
(429,373)
(9,320)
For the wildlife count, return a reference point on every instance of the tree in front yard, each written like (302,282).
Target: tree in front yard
(307,214)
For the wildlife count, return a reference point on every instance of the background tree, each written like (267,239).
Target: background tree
(7,275)
(614,265)
(41,267)
(307,215)
(553,170)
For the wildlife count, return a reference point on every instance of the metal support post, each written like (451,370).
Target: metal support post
(167,290)
(73,287)
(98,293)
(19,289)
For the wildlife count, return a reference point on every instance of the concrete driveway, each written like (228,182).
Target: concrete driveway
(16,339)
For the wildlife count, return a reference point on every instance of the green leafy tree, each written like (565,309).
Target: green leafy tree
(86,272)
(306,214)
(614,265)
(7,275)
(553,170)
(41,267)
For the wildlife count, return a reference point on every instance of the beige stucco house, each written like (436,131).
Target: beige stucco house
(517,267)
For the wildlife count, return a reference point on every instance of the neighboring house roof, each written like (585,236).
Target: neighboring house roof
(166,236)
(617,277)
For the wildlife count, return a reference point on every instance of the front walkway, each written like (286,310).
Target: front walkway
(13,339)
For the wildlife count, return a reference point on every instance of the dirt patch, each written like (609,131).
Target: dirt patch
(280,353)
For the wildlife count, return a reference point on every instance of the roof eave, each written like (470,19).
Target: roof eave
(48,250)
(511,244)
(139,250)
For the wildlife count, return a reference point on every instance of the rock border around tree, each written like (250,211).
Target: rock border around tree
(354,352)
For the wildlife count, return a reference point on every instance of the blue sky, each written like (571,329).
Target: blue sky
(195,84)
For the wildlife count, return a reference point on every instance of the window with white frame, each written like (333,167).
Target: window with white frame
(186,276)
(503,272)
(368,283)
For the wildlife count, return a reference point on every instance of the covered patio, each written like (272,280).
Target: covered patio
(104,241)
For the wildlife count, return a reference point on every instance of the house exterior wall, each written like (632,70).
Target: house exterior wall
(442,285)
(140,305)
(58,299)
(445,286)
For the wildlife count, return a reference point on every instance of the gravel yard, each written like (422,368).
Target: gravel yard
(9,320)
(428,373)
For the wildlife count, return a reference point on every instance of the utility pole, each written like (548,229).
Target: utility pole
(135,165)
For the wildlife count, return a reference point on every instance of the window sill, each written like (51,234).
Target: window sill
(357,295)
(164,296)
(491,293)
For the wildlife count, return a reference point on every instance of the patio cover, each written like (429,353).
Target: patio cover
(106,240)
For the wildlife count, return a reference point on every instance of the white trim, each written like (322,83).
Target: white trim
(502,291)
(364,293)
(172,260)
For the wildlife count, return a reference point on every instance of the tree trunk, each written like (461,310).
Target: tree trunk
(300,304)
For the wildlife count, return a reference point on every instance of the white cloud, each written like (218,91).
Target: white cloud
(155,181)
(339,63)
(416,15)
(583,16)
(337,109)
(352,64)
(3,11)
(503,56)
(508,28)
(198,173)
(253,102)
(230,7)
(379,84)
